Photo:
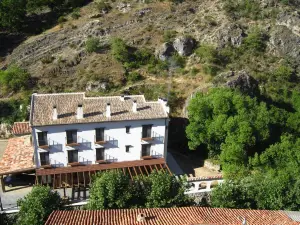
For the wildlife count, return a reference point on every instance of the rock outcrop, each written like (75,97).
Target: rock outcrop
(165,51)
(184,45)
(244,82)
(231,34)
(96,86)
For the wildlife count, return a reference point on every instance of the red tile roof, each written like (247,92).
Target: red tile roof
(21,128)
(18,155)
(170,216)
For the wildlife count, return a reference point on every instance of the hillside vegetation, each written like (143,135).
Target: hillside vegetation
(113,47)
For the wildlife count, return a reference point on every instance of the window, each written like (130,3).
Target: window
(99,134)
(42,138)
(127,129)
(100,154)
(146,150)
(71,136)
(127,147)
(73,156)
(147,131)
(44,158)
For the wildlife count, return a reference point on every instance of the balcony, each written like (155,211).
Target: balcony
(151,136)
(45,164)
(72,142)
(43,144)
(101,140)
(150,154)
(106,159)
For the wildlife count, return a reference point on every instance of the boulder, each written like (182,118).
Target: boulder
(283,42)
(96,86)
(231,34)
(184,45)
(165,51)
(124,7)
(244,82)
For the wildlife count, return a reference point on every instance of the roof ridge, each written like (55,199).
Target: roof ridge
(65,93)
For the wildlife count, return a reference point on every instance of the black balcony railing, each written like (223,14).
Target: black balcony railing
(43,142)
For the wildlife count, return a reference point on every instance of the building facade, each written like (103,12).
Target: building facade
(71,129)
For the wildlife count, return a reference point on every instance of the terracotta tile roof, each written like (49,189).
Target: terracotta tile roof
(18,155)
(98,167)
(170,216)
(21,128)
(94,108)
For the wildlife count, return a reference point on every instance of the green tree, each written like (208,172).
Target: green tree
(166,191)
(110,190)
(120,50)
(14,79)
(38,205)
(229,124)
(12,14)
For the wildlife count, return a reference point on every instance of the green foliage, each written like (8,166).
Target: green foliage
(102,6)
(207,54)
(243,8)
(134,76)
(255,42)
(10,110)
(166,191)
(75,14)
(14,79)
(120,50)
(38,205)
(113,190)
(273,183)
(61,19)
(110,190)
(169,35)
(177,60)
(229,124)
(92,45)
(12,14)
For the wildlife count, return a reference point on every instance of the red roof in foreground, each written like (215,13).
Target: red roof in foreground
(169,216)
(20,128)
(18,156)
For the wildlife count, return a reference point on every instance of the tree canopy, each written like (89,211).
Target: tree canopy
(38,205)
(114,190)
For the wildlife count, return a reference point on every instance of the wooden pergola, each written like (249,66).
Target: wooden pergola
(81,176)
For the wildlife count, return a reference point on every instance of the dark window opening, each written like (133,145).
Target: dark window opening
(44,158)
(100,154)
(42,138)
(147,131)
(73,156)
(71,136)
(127,129)
(127,147)
(146,150)
(99,134)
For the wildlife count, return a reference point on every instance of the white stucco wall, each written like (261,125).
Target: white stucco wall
(115,148)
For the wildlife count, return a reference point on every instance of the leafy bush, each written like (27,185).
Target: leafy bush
(177,61)
(102,6)
(255,42)
(207,54)
(134,76)
(38,205)
(10,111)
(92,45)
(75,14)
(14,79)
(120,50)
(61,19)
(243,8)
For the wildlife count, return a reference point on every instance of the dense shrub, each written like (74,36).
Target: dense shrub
(102,6)
(134,76)
(38,205)
(92,45)
(169,35)
(255,42)
(243,8)
(14,79)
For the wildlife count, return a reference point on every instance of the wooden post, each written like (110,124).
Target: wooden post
(2,184)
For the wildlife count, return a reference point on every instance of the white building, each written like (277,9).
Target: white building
(70,129)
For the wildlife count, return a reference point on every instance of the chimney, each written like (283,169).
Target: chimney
(122,97)
(141,217)
(108,112)
(54,113)
(134,106)
(79,112)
